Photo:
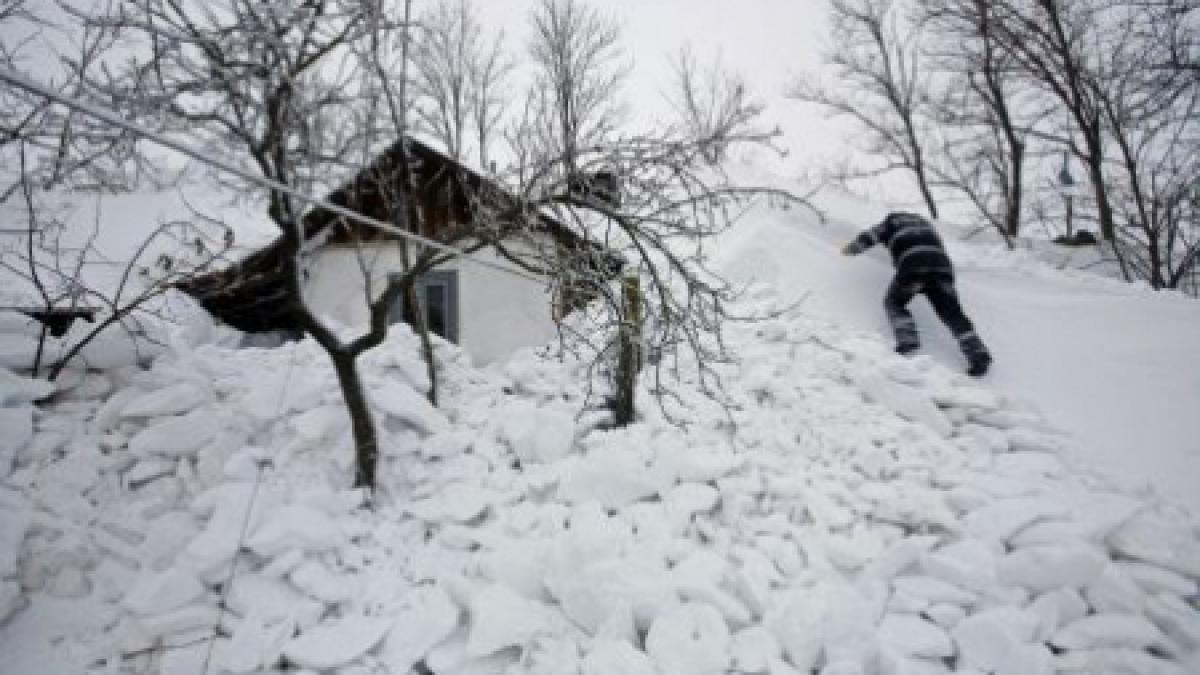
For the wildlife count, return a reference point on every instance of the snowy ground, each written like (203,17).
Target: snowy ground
(855,512)
(1109,363)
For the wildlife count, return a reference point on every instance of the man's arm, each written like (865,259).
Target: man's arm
(866,239)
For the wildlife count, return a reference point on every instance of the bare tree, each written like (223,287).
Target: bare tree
(712,102)
(640,280)
(881,85)
(458,76)
(274,82)
(578,72)
(983,108)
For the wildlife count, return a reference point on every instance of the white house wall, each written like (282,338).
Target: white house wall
(498,313)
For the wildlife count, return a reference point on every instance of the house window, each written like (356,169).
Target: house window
(437,295)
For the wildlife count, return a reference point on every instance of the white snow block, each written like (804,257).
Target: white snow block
(691,639)
(428,617)
(173,400)
(933,590)
(1155,540)
(319,424)
(1028,440)
(315,579)
(16,390)
(616,657)
(272,600)
(1056,609)
(400,401)
(295,526)
(910,403)
(11,600)
(1044,568)
(1179,620)
(914,636)
(1154,579)
(945,615)
(753,649)
(336,643)
(968,563)
(500,618)
(800,626)
(161,592)
(1099,631)
(1001,519)
(612,478)
(1114,591)
(256,644)
(17,425)
(987,640)
(538,434)
(589,596)
(1090,661)
(458,502)
(177,436)
(199,617)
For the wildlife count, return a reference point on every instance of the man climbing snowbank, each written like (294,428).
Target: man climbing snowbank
(922,266)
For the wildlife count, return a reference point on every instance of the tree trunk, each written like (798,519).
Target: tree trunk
(362,422)
(629,357)
(418,321)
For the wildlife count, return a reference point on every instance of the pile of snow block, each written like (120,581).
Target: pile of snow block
(848,512)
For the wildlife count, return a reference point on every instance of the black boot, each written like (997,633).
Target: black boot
(977,365)
(978,358)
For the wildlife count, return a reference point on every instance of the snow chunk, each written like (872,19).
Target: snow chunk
(330,645)
(11,600)
(612,478)
(272,600)
(1003,518)
(173,400)
(17,424)
(320,423)
(295,526)
(428,618)
(1154,540)
(753,649)
(1114,661)
(158,593)
(400,401)
(178,436)
(1044,568)
(538,434)
(691,639)
(616,657)
(16,390)
(914,636)
(315,579)
(500,618)
(933,590)
(1155,579)
(912,404)
(988,639)
(1098,631)
(590,595)
(458,502)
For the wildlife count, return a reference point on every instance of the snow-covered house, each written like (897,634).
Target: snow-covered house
(487,311)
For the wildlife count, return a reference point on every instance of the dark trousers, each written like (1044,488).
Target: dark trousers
(939,288)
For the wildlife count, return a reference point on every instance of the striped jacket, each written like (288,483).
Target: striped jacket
(913,242)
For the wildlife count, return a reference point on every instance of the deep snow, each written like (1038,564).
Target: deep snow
(1110,363)
(853,512)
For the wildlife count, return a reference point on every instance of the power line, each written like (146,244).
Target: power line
(110,117)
